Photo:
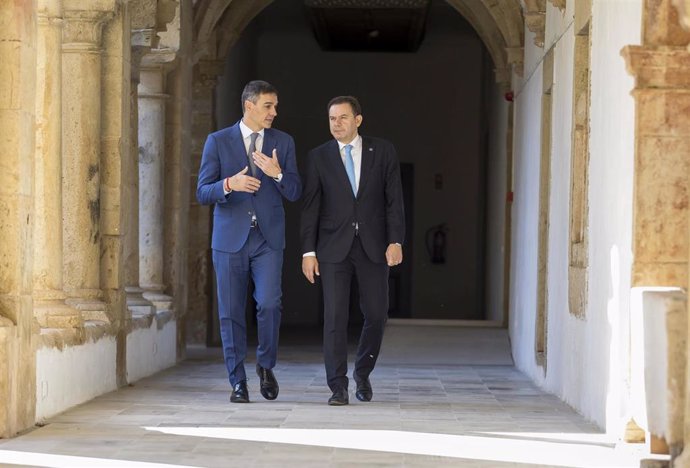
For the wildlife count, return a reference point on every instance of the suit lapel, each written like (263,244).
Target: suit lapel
(337,166)
(239,153)
(368,151)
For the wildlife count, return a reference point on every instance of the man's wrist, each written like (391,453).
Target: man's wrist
(279,177)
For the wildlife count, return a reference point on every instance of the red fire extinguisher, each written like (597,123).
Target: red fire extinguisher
(436,243)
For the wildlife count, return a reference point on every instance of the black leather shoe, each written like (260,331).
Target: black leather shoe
(240,394)
(268,383)
(339,398)
(364,392)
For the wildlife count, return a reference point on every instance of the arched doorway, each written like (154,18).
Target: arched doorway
(440,116)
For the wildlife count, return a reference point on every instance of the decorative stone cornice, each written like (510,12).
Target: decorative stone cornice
(516,58)
(658,67)
(535,19)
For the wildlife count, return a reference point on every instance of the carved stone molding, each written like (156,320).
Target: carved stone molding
(83,28)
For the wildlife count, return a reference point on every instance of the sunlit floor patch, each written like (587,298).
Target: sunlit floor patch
(67,461)
(484,448)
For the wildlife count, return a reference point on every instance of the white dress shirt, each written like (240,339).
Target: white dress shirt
(247,137)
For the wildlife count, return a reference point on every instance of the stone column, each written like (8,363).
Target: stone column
(17,153)
(200,269)
(137,305)
(152,100)
(49,306)
(81,138)
(661,66)
(177,190)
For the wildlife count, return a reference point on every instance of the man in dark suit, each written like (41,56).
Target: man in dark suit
(247,187)
(352,224)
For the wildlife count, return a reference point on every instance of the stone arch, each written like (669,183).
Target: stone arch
(219,23)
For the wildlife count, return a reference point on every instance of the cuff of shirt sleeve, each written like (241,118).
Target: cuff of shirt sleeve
(309,254)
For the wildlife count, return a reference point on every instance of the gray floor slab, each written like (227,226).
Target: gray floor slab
(430,409)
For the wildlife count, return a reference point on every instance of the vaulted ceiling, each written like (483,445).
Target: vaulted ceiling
(499,23)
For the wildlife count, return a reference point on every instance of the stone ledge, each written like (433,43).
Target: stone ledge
(658,67)
(162,317)
(62,337)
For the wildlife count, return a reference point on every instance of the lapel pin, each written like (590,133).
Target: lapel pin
(371,149)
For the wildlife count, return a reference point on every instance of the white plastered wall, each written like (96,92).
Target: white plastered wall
(150,350)
(587,359)
(73,375)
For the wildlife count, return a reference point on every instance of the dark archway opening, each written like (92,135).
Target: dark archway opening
(434,105)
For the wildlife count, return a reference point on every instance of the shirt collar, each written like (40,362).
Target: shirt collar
(356,143)
(246,131)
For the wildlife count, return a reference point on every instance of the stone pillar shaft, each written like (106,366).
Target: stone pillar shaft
(49,307)
(200,267)
(151,166)
(48,189)
(81,117)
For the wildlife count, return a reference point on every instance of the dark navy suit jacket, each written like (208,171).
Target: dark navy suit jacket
(331,211)
(224,156)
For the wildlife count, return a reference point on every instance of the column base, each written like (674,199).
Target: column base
(54,314)
(92,310)
(161,301)
(136,304)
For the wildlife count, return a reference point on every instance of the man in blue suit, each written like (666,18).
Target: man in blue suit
(247,186)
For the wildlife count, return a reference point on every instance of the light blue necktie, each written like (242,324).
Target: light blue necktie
(350,168)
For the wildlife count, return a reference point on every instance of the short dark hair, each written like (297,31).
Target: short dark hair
(354,103)
(254,89)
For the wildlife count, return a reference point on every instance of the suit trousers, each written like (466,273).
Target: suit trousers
(233,270)
(372,279)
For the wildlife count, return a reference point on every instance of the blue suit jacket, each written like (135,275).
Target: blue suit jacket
(224,156)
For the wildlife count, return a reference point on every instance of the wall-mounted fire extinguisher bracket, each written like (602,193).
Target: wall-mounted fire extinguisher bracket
(436,243)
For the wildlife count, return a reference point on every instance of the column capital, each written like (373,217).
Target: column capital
(663,67)
(206,72)
(84,24)
(142,40)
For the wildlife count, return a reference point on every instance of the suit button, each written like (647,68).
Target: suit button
(353,224)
